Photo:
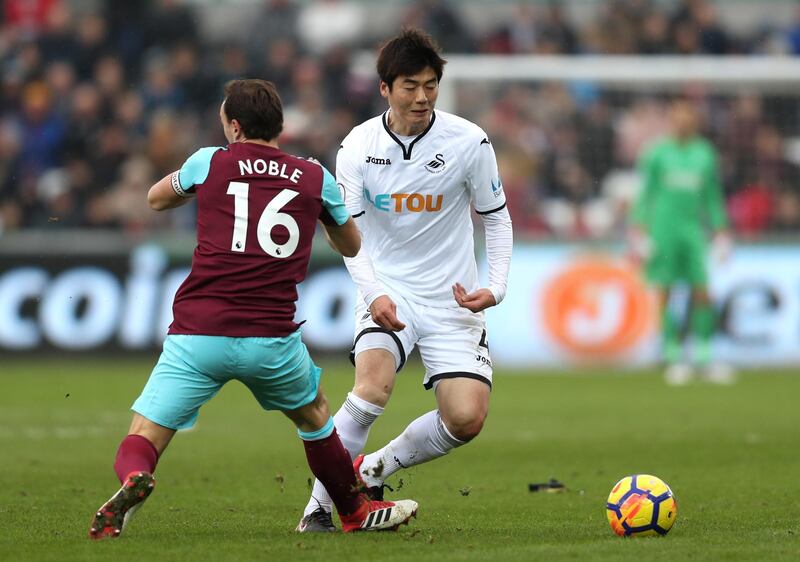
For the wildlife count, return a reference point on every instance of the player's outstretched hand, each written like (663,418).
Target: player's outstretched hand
(477,301)
(384,314)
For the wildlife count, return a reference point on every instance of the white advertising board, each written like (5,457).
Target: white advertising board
(566,306)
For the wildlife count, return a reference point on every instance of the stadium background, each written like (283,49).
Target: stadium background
(100,99)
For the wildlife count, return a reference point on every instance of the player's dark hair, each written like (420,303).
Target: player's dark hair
(257,107)
(408,54)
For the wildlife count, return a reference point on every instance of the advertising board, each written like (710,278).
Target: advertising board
(565,306)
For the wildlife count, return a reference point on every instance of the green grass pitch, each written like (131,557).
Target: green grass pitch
(233,488)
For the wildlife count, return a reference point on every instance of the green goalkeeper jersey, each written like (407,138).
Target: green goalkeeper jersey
(680,189)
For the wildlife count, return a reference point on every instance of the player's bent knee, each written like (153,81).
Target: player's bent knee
(463,405)
(376,394)
(318,409)
(375,376)
(312,416)
(464,425)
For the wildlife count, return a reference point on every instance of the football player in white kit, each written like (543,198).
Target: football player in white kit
(410,178)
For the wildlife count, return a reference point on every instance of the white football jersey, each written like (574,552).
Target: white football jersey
(413,197)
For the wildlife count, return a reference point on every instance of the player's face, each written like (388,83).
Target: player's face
(684,120)
(412,99)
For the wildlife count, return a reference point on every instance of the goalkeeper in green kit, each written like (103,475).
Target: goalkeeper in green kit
(679,203)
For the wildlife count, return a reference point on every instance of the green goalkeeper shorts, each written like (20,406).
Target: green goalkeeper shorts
(678,257)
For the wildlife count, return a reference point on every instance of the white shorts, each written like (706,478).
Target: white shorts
(452,341)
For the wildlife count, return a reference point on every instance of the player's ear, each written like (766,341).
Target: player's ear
(236,127)
(385,89)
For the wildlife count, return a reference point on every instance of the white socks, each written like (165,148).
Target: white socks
(425,439)
(352,422)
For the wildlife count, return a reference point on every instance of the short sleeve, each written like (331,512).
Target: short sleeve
(332,201)
(486,187)
(195,170)
(349,176)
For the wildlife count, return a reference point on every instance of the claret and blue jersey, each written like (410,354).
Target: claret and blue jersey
(257,209)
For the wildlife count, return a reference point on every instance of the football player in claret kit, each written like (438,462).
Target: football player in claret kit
(411,177)
(234,314)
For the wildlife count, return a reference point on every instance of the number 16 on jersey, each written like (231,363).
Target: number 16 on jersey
(270,218)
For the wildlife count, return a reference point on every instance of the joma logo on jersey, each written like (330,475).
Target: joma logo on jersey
(399,202)
(379,161)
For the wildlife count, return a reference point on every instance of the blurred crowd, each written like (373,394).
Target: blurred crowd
(568,158)
(101,98)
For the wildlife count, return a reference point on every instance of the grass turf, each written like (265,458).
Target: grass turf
(233,488)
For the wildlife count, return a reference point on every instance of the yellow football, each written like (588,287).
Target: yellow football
(641,505)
